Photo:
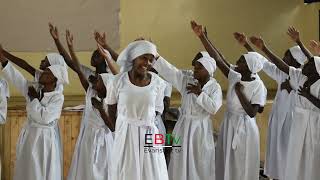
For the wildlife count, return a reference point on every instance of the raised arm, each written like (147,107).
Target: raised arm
(211,50)
(82,77)
(251,109)
(110,63)
(315,46)
(20,62)
(101,39)
(259,43)
(295,36)
(55,36)
(103,114)
(243,41)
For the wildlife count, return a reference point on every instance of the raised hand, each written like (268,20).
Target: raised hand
(294,34)
(240,37)
(195,89)
(69,38)
(197,29)
(315,46)
(257,41)
(101,39)
(103,52)
(54,31)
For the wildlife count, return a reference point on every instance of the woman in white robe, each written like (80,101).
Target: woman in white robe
(136,116)
(94,144)
(237,152)
(38,150)
(303,157)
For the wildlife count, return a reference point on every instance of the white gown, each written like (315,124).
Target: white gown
(279,125)
(94,144)
(303,162)
(194,126)
(38,150)
(237,151)
(136,112)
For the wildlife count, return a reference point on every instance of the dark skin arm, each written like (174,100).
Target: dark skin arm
(242,40)
(101,39)
(112,111)
(305,92)
(82,77)
(259,43)
(111,65)
(211,50)
(3,59)
(20,62)
(55,36)
(295,36)
(315,46)
(99,106)
(251,109)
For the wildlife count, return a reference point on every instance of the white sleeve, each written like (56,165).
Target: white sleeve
(16,78)
(295,77)
(168,90)
(273,71)
(86,71)
(46,113)
(112,91)
(260,95)
(233,77)
(3,107)
(211,102)
(170,74)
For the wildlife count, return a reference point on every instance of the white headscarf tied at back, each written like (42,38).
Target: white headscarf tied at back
(56,59)
(317,63)
(134,50)
(254,61)
(208,62)
(60,73)
(298,55)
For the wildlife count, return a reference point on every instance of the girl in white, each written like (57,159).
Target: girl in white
(280,116)
(135,97)
(201,98)
(238,144)
(93,149)
(38,148)
(4,95)
(303,158)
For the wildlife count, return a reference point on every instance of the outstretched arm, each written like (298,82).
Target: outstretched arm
(211,50)
(101,39)
(295,36)
(55,36)
(243,41)
(99,106)
(110,63)
(259,43)
(82,77)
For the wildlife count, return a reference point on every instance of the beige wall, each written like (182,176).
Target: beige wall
(167,23)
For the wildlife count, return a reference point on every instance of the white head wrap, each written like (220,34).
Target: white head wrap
(317,63)
(208,62)
(56,59)
(298,55)
(254,61)
(60,73)
(134,50)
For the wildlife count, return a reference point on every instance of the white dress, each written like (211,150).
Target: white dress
(196,161)
(136,112)
(237,151)
(38,150)
(279,125)
(94,144)
(303,162)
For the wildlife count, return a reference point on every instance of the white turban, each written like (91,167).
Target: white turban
(317,63)
(254,61)
(60,73)
(298,55)
(134,50)
(208,62)
(107,79)
(56,59)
